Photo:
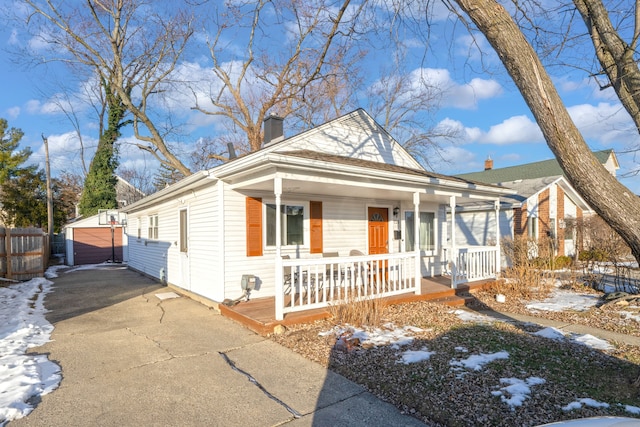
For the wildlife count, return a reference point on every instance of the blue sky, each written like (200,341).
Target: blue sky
(486,108)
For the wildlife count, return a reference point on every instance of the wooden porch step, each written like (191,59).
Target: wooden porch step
(453,300)
(264,323)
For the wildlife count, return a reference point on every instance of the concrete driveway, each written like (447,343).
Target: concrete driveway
(129,358)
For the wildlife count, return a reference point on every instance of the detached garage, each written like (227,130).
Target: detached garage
(89,242)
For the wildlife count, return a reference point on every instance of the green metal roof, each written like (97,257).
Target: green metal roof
(541,169)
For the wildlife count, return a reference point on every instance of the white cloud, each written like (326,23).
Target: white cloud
(513,130)
(13,112)
(65,154)
(464,96)
(466,134)
(32,106)
(605,122)
(453,159)
(517,129)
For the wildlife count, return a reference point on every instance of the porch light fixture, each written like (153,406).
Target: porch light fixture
(396,211)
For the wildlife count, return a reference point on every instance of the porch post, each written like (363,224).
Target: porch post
(454,251)
(416,241)
(277,189)
(498,248)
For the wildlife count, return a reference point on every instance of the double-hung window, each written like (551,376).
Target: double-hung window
(292,224)
(426,231)
(153,227)
(532,227)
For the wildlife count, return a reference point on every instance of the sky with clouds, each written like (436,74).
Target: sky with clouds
(485,108)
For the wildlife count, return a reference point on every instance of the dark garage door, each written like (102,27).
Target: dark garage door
(93,245)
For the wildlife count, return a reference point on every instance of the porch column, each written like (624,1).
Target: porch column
(498,248)
(454,251)
(277,190)
(416,241)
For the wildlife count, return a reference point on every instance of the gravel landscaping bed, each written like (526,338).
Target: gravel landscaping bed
(449,372)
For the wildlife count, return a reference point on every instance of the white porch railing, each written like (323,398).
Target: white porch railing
(320,282)
(471,264)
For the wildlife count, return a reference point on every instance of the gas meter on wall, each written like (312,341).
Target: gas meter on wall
(248,282)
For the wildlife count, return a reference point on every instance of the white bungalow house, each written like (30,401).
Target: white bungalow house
(338,209)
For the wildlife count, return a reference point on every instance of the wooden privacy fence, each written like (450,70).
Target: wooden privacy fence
(24,253)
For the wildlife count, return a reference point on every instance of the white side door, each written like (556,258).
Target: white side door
(185,276)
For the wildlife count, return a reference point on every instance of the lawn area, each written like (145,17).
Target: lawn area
(451,367)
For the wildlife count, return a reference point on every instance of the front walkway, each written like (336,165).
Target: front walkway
(259,314)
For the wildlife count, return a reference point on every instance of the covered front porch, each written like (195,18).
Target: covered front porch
(258,314)
(323,230)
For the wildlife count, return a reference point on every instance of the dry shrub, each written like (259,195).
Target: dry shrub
(530,274)
(359,312)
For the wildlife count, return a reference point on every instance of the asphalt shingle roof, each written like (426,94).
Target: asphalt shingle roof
(541,169)
(315,155)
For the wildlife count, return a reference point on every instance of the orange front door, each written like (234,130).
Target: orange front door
(378,230)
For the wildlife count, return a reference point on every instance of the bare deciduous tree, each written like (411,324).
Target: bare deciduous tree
(133,46)
(614,202)
(290,47)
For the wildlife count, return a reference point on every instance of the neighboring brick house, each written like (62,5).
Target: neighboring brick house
(545,203)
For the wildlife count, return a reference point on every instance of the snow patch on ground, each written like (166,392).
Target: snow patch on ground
(586,339)
(415,356)
(24,377)
(467,316)
(516,391)
(562,300)
(587,401)
(388,334)
(476,362)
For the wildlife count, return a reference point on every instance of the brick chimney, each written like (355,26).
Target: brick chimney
(488,164)
(273,129)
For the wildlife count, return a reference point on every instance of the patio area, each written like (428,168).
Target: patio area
(259,315)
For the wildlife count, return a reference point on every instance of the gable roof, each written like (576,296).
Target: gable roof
(351,135)
(352,149)
(541,169)
(527,188)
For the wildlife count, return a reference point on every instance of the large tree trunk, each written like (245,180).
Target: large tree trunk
(614,202)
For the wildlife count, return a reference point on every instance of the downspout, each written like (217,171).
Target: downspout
(416,241)
(454,251)
(277,189)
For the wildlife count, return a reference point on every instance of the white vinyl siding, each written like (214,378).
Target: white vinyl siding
(204,235)
(158,257)
(344,226)
(355,137)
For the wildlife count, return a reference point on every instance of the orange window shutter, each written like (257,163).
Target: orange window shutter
(254,226)
(315,226)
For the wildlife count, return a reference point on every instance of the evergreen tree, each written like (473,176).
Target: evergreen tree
(100,184)
(24,200)
(10,159)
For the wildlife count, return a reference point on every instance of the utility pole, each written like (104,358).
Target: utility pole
(49,193)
